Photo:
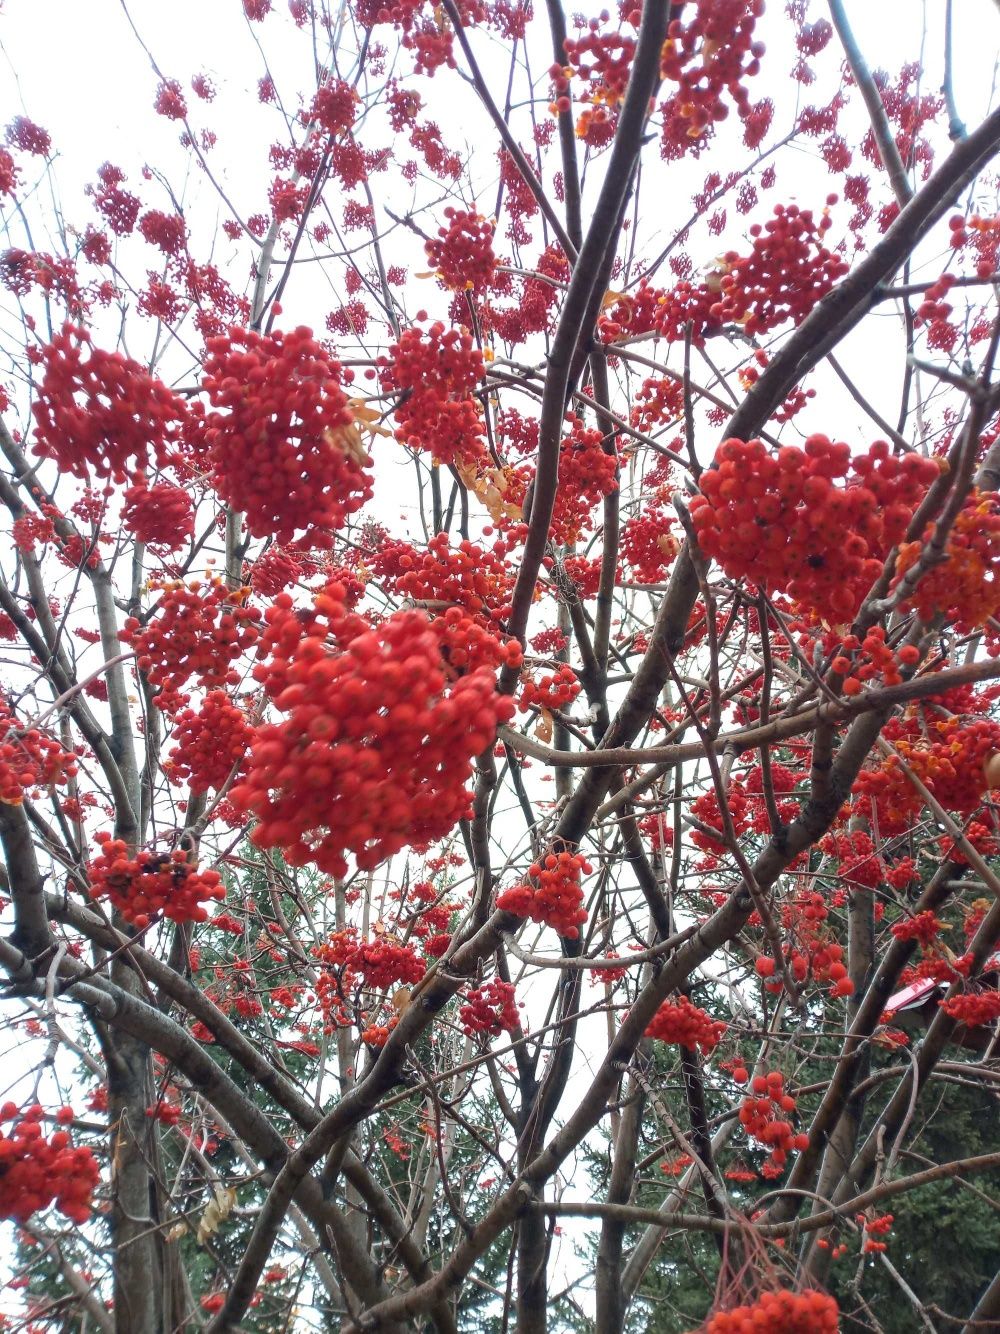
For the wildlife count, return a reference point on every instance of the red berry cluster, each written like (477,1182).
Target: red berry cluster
(466,644)
(984,233)
(922,927)
(282,442)
(334,107)
(463,254)
(647,545)
(787,271)
(964,586)
(143,884)
(809,951)
(35,1171)
(805,1312)
(208,743)
(973,1008)
(554,691)
(489,1009)
(466,575)
(274,570)
(953,768)
(375,749)
(708,56)
(862,660)
(762,1115)
(875,1229)
(656,402)
(435,372)
(28,759)
(379,963)
(783,523)
(934,313)
(161,515)
(100,410)
(554,896)
(199,630)
(605,79)
(856,858)
(683,1022)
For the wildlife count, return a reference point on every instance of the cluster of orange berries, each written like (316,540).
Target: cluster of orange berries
(875,1229)
(36,1171)
(647,545)
(953,767)
(973,1008)
(435,373)
(378,963)
(861,660)
(922,927)
(146,883)
(763,1116)
(161,515)
(472,578)
(199,629)
(706,57)
(208,743)
(809,952)
(806,1312)
(786,273)
(555,894)
(29,759)
(463,254)
(489,1009)
(656,402)
(683,1022)
(375,748)
(984,233)
(281,441)
(100,410)
(553,692)
(965,585)
(781,521)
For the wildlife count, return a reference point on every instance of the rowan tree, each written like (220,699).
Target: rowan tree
(500,624)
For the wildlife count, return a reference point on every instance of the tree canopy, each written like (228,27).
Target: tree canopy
(500,625)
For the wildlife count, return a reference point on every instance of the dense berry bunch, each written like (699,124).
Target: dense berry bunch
(146,883)
(208,743)
(334,107)
(199,630)
(657,402)
(282,443)
(763,1116)
(274,570)
(553,896)
(806,1312)
(28,759)
(466,576)
(435,372)
(647,545)
(99,410)
(707,57)
(489,1009)
(683,1022)
(973,1008)
(466,644)
(965,586)
(161,515)
(554,691)
(953,767)
(375,748)
(378,963)
(922,927)
(787,271)
(783,523)
(603,61)
(36,1171)
(809,950)
(463,254)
